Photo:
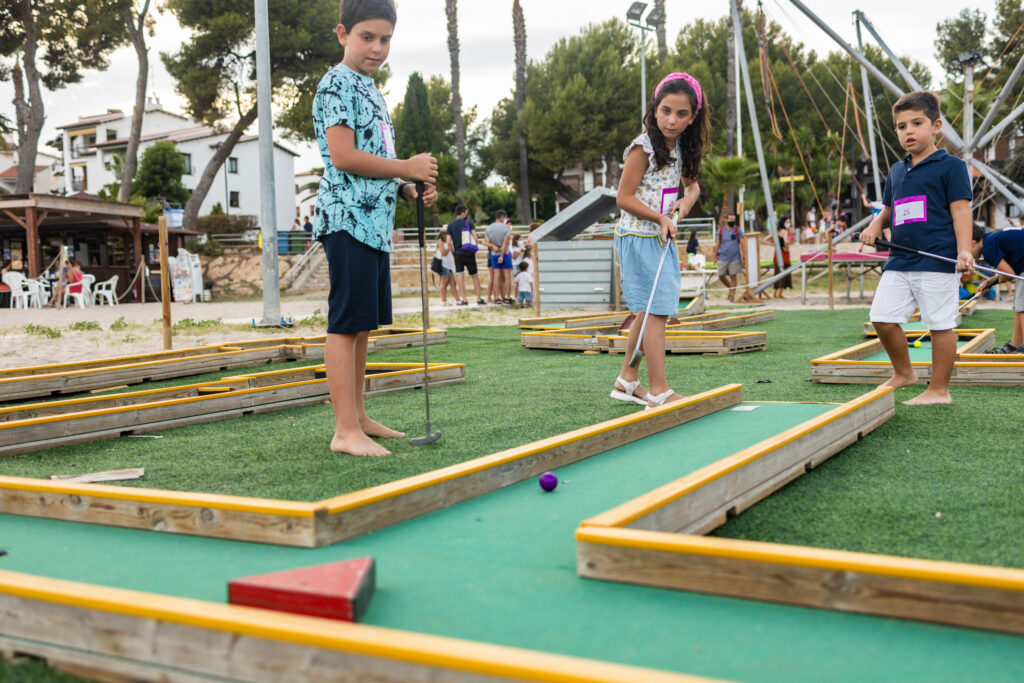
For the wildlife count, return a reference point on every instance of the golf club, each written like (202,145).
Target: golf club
(421,222)
(899,247)
(638,352)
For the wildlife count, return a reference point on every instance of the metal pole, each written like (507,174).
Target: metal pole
(997,105)
(991,135)
(947,130)
(755,131)
(968,152)
(268,205)
(991,176)
(643,75)
(869,114)
(739,107)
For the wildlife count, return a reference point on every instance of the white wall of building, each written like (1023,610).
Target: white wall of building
(86,157)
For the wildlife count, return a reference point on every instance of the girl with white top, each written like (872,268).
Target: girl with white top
(658,164)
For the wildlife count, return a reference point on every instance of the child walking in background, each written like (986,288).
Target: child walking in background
(928,197)
(658,164)
(524,285)
(355,212)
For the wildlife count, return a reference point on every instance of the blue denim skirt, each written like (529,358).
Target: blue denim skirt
(638,263)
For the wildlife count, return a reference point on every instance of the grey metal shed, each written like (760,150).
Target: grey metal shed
(578,274)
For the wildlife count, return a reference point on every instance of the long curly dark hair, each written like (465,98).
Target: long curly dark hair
(692,142)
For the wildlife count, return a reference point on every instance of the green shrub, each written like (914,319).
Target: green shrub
(84,325)
(211,248)
(42,331)
(118,324)
(220,224)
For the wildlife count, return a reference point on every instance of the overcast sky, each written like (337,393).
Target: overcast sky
(487,53)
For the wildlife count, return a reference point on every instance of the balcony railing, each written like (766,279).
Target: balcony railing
(78,185)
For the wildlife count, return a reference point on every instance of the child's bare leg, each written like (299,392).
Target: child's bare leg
(340,364)
(943,357)
(894,341)
(654,356)
(627,373)
(476,284)
(1018,326)
(369,426)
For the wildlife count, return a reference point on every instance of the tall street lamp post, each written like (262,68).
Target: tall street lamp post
(633,18)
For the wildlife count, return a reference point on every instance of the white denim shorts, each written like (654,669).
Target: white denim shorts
(900,292)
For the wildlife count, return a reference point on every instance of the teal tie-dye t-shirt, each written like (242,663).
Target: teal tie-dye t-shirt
(363,207)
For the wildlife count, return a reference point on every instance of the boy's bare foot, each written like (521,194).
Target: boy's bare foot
(930,397)
(897,381)
(374,428)
(357,444)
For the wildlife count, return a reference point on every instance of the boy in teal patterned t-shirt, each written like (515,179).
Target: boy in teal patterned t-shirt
(355,212)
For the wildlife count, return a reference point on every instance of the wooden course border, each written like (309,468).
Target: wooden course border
(969,309)
(36,426)
(657,540)
(695,306)
(336,519)
(96,631)
(690,335)
(78,376)
(973,366)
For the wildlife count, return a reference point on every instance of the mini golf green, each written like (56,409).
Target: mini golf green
(918,354)
(502,568)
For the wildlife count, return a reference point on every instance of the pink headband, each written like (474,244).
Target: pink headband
(686,77)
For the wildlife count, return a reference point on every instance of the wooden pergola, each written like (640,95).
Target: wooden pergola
(30,210)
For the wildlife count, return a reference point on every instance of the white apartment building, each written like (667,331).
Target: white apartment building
(91,143)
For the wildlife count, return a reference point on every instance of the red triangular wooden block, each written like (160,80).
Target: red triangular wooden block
(337,590)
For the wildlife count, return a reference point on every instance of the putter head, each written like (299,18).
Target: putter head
(424,440)
(634,360)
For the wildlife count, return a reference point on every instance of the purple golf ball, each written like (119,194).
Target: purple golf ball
(548,481)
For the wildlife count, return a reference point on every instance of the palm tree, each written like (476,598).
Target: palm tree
(519,29)
(136,25)
(726,175)
(453,52)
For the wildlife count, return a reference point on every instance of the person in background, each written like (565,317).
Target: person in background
(70,282)
(524,285)
(308,227)
(729,254)
(784,227)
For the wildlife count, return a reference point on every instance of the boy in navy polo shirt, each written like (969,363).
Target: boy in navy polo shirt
(927,197)
(355,212)
(1004,250)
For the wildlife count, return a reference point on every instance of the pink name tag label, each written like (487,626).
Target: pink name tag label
(668,198)
(910,210)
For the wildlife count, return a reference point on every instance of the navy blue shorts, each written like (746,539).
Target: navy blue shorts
(360,298)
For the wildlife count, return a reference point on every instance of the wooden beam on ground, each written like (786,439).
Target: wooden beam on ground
(117,634)
(38,426)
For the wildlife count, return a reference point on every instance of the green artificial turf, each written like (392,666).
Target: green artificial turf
(938,482)
(881,495)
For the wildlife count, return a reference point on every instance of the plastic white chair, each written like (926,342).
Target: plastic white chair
(35,292)
(82,298)
(20,294)
(87,283)
(44,291)
(105,291)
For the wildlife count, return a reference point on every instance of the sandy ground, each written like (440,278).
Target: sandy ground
(142,332)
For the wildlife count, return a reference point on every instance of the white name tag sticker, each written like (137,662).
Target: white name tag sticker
(668,198)
(910,210)
(388,133)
